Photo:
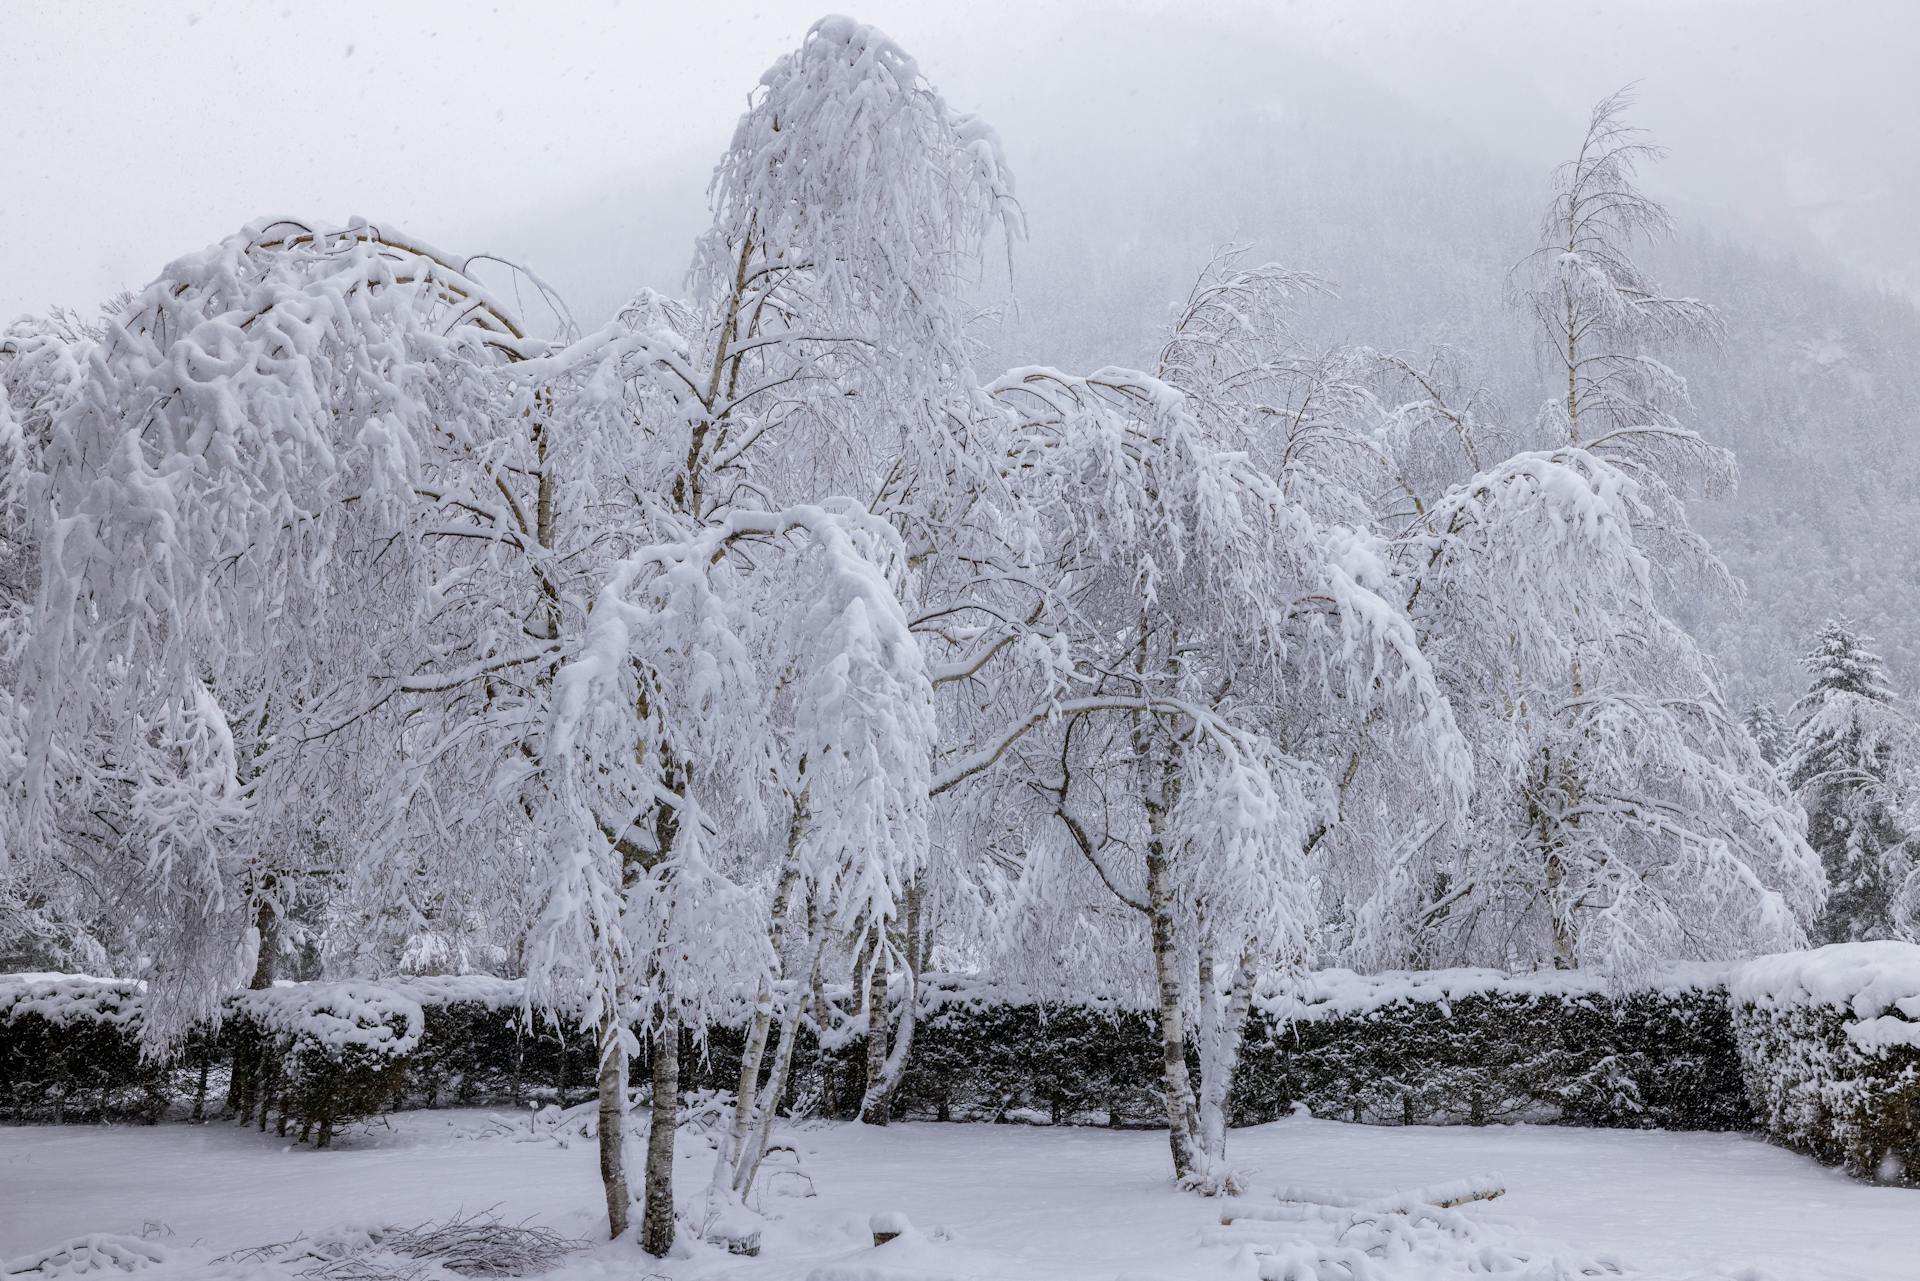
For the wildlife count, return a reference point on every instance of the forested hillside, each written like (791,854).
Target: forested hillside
(1814,385)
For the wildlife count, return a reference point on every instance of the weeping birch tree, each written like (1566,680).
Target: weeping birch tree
(1620,813)
(1215,639)
(420,583)
(851,210)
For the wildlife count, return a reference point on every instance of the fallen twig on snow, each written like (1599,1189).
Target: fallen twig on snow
(473,1245)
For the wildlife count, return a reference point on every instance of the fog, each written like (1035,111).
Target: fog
(129,136)
(1401,150)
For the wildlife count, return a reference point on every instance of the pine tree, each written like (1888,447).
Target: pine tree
(1768,732)
(1852,765)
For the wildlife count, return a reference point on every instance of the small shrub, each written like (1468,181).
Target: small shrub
(324,1053)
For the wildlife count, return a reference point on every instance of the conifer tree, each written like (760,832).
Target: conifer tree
(1852,763)
(1768,732)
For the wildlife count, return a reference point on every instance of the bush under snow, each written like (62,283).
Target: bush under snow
(1830,1048)
(69,1050)
(322,1052)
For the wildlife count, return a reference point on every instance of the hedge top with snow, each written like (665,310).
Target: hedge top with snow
(1877,983)
(1335,992)
(61,999)
(1892,978)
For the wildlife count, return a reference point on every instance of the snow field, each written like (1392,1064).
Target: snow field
(998,1203)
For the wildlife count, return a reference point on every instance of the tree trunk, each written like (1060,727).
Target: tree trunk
(1559,917)
(1219,1057)
(1176,1083)
(886,1068)
(1206,1035)
(613,1127)
(729,1172)
(746,1097)
(252,1044)
(200,1086)
(656,1231)
(770,1100)
(874,1104)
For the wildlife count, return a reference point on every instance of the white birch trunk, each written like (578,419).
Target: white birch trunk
(1220,1046)
(612,1082)
(656,1228)
(776,1086)
(1176,1082)
(873,1103)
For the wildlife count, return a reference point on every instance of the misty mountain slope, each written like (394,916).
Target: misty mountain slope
(1415,226)
(1817,389)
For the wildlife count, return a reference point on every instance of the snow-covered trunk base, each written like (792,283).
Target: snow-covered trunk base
(656,1229)
(1221,1034)
(613,1115)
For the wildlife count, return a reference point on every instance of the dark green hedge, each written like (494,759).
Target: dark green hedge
(66,1060)
(978,1060)
(1663,1058)
(322,1055)
(1644,1060)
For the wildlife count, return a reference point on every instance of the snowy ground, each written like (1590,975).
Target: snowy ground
(993,1201)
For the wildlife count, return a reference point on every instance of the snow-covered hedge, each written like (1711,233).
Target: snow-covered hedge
(1829,1046)
(478,1049)
(1432,1048)
(985,1052)
(322,1053)
(69,1051)
(1477,1046)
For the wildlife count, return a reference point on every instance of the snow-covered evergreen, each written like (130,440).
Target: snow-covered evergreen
(1854,760)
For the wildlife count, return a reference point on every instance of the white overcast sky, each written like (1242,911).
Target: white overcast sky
(132,133)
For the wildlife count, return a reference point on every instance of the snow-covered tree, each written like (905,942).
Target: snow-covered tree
(1620,815)
(851,212)
(1221,650)
(1603,321)
(1854,760)
(254,555)
(1768,731)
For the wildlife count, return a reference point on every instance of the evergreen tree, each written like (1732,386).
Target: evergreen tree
(1768,732)
(1851,763)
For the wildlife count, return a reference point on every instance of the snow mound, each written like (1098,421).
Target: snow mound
(90,1255)
(1877,983)
(338,1016)
(69,998)
(1335,993)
